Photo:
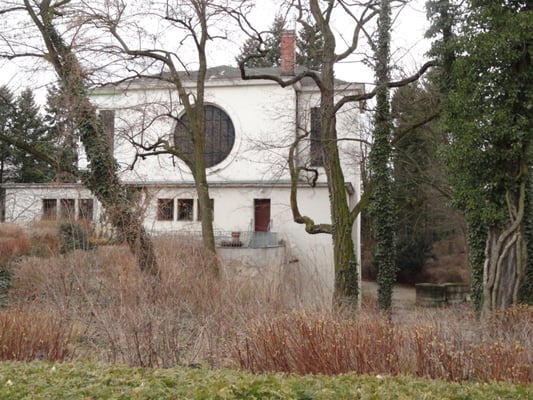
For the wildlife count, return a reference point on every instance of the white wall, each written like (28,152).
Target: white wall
(234,212)
(24,201)
(262,115)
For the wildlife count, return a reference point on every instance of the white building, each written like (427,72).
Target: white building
(250,125)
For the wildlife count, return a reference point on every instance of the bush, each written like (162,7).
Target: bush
(73,236)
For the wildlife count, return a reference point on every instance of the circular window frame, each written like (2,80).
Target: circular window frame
(218,145)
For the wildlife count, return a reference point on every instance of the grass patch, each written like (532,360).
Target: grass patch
(38,380)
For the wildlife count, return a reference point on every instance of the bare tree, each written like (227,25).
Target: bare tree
(319,15)
(48,17)
(192,25)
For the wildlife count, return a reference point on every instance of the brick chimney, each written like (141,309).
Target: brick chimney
(288,52)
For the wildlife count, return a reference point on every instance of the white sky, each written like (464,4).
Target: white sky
(409,47)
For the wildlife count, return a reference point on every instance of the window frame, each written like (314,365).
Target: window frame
(107,116)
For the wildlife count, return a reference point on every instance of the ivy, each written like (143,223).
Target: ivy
(487,114)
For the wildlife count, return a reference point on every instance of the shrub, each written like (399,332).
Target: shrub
(304,343)
(27,335)
(111,312)
(73,236)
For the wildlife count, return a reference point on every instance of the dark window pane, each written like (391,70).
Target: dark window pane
(165,209)
(67,209)
(219,136)
(185,207)
(108,122)
(49,209)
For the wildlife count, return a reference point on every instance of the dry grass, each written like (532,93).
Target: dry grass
(13,243)
(27,334)
(97,306)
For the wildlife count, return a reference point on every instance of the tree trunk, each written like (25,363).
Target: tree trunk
(505,257)
(346,289)
(206,211)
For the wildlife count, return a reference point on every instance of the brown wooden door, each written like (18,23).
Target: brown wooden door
(262,215)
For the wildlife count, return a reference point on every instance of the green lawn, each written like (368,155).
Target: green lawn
(38,380)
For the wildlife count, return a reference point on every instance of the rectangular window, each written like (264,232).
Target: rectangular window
(212,206)
(85,209)
(185,207)
(316,158)
(165,209)
(49,209)
(108,122)
(67,209)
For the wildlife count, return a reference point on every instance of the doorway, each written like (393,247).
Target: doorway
(262,215)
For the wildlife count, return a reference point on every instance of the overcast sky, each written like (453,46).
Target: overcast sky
(408,47)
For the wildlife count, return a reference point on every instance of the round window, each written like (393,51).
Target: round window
(219,136)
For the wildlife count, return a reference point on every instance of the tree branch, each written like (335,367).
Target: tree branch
(396,84)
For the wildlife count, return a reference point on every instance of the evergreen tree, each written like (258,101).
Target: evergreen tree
(29,126)
(266,54)
(62,129)
(6,121)
(419,181)
(309,45)
(488,96)
(7,111)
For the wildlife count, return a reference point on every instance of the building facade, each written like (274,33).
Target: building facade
(249,127)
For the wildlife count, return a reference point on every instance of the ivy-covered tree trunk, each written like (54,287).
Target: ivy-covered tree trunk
(382,209)
(525,294)
(101,177)
(506,256)
(476,241)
